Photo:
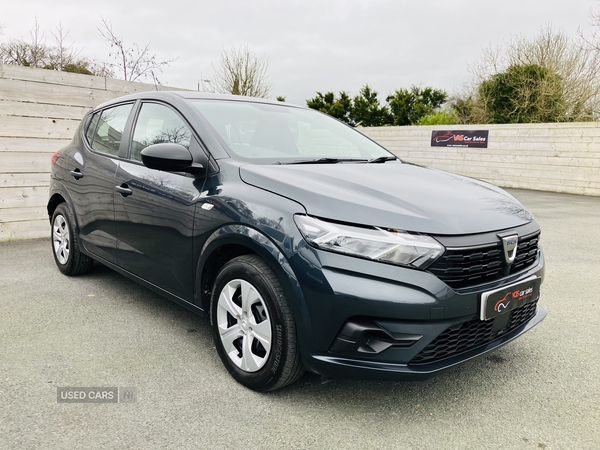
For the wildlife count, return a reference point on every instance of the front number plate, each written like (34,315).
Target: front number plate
(507,298)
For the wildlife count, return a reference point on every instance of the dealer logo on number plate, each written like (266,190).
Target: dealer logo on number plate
(507,298)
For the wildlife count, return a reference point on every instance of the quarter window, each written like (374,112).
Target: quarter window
(91,130)
(157,124)
(106,137)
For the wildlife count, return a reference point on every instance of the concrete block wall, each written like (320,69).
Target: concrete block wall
(39,113)
(557,157)
(41,109)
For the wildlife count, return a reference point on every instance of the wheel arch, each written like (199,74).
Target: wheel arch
(58,196)
(55,200)
(231,241)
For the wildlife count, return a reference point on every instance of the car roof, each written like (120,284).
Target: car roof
(190,95)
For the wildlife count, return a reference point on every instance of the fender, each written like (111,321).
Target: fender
(272,255)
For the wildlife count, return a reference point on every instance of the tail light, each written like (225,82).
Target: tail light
(54,158)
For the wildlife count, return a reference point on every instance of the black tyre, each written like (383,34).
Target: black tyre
(253,327)
(65,243)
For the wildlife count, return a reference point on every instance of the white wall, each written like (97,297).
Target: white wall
(39,113)
(553,157)
(41,109)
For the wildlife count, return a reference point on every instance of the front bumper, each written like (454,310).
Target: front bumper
(371,320)
(335,366)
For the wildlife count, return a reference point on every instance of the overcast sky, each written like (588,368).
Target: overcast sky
(311,45)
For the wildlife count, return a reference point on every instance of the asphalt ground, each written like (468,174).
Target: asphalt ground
(101,329)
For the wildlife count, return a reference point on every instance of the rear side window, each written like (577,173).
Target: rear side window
(106,129)
(92,128)
(157,124)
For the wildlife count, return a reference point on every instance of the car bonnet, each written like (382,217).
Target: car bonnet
(392,195)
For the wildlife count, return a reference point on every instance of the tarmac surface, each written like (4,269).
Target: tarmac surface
(101,329)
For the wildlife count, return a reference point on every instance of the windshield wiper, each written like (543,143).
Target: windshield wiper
(323,161)
(382,159)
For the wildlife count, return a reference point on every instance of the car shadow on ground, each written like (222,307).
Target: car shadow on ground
(493,374)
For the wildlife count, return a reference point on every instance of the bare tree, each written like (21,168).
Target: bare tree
(37,53)
(577,84)
(241,72)
(14,52)
(592,40)
(101,69)
(23,53)
(133,62)
(63,54)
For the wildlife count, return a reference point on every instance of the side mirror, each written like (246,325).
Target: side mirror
(169,157)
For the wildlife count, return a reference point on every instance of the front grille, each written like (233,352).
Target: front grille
(470,335)
(470,266)
(527,251)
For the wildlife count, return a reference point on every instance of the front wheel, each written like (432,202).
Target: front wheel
(65,243)
(253,327)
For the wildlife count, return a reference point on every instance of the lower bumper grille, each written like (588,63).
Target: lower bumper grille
(470,335)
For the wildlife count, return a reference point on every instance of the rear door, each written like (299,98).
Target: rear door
(154,212)
(93,187)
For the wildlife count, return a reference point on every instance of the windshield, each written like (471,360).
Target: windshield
(268,134)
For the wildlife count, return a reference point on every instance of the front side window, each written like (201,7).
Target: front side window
(108,129)
(157,124)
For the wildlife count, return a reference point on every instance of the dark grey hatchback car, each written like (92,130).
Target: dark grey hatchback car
(308,245)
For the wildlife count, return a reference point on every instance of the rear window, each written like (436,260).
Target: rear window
(106,129)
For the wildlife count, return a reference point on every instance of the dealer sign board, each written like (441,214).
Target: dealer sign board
(459,138)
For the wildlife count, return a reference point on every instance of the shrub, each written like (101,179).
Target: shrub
(444,117)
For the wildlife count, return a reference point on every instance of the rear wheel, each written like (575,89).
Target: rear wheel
(65,243)
(253,327)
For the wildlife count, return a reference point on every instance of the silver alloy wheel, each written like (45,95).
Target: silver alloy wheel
(61,239)
(244,325)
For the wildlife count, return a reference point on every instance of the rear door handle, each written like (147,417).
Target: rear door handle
(124,190)
(76,174)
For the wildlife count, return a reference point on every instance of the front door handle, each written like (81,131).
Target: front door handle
(76,174)
(124,190)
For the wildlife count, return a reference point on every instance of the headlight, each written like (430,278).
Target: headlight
(391,246)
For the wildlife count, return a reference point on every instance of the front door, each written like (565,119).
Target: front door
(154,210)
